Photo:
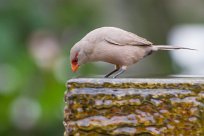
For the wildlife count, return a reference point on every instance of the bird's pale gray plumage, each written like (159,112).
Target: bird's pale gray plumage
(114,45)
(116,36)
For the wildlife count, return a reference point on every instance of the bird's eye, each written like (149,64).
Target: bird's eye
(75,60)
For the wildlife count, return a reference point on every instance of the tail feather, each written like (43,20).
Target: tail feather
(169,47)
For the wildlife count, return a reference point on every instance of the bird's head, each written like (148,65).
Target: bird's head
(77,56)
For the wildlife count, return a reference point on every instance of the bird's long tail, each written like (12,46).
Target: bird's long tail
(169,47)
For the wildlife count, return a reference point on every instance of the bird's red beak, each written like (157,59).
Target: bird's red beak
(75,67)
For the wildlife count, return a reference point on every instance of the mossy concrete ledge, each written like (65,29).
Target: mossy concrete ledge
(150,107)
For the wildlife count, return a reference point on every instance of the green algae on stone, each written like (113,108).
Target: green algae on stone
(134,107)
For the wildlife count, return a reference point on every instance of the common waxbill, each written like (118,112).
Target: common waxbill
(115,46)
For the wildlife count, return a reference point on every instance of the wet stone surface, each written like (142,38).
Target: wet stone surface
(143,107)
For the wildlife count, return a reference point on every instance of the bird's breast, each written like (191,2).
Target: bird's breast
(119,55)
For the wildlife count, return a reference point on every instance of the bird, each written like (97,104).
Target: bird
(113,45)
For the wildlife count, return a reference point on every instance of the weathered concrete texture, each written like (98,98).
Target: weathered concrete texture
(147,107)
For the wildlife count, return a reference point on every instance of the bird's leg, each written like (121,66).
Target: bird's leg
(119,73)
(122,70)
(115,70)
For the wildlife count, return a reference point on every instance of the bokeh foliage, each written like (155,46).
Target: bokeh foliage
(19,19)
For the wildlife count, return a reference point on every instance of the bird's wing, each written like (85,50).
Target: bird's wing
(126,38)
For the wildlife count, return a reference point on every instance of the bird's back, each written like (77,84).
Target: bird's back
(101,33)
(116,36)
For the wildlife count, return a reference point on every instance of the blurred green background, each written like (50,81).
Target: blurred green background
(35,39)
